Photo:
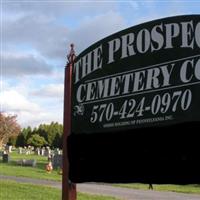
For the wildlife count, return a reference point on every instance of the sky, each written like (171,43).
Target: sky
(36,37)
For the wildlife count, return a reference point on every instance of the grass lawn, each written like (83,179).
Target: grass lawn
(11,190)
(38,172)
(195,188)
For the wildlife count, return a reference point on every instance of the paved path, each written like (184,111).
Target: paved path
(55,184)
(132,194)
(120,193)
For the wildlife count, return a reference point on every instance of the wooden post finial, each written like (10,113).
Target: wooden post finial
(71,56)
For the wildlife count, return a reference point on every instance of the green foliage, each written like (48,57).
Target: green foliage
(20,141)
(36,141)
(12,140)
(27,132)
(57,142)
(23,137)
(52,133)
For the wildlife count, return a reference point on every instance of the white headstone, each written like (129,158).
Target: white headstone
(37,151)
(20,150)
(9,149)
(42,152)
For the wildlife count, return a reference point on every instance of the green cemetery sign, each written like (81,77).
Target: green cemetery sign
(146,75)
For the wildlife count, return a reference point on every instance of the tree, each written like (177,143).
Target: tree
(20,142)
(8,127)
(51,133)
(27,133)
(36,141)
(57,143)
(42,131)
(23,137)
(12,140)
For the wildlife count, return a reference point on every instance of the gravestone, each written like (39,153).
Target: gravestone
(42,152)
(6,157)
(8,148)
(27,152)
(49,157)
(57,161)
(37,151)
(24,162)
(57,151)
(30,149)
(20,150)
(47,152)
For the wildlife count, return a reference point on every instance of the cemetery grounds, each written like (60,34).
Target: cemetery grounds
(11,190)
(21,191)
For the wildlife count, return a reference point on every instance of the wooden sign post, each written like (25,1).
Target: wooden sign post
(68,188)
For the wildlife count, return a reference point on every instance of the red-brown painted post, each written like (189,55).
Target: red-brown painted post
(68,189)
